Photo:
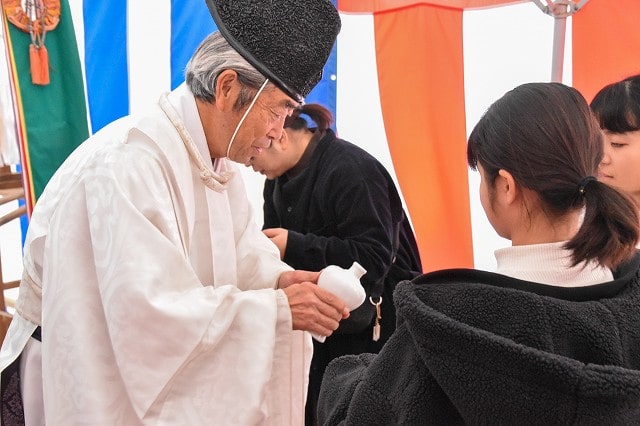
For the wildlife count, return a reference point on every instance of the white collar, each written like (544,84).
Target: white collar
(181,103)
(550,264)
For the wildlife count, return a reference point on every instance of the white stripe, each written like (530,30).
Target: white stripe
(149,38)
(77,17)
(359,113)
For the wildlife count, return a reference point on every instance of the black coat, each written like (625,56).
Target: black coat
(343,207)
(481,348)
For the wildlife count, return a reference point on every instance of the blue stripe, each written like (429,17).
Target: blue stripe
(105,35)
(24,220)
(325,92)
(190,24)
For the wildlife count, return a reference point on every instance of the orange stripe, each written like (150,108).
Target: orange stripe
(374,6)
(420,74)
(20,121)
(606,42)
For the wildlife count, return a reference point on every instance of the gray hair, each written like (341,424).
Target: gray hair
(213,56)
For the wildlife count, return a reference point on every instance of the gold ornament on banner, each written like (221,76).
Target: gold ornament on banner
(36,18)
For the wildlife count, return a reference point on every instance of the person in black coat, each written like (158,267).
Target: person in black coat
(553,336)
(328,201)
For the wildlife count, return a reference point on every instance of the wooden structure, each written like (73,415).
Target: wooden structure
(11,189)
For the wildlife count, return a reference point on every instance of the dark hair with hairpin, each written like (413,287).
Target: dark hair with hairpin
(545,135)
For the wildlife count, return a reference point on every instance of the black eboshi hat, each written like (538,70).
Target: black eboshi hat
(288,41)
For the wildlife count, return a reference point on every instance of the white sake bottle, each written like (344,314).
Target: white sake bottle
(344,283)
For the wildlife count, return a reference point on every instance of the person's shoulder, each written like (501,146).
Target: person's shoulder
(123,148)
(352,151)
(441,284)
(629,270)
(457,277)
(342,154)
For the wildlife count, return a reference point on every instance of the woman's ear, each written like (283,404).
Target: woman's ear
(227,90)
(506,187)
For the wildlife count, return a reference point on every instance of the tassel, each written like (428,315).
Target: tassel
(39,64)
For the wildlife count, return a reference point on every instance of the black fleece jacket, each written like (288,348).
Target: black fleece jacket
(474,347)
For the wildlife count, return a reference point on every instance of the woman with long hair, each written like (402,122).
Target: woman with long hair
(552,336)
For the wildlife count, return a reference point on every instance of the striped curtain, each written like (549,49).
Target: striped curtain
(136,50)
(407,81)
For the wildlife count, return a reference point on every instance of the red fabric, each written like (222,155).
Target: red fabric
(421,81)
(606,42)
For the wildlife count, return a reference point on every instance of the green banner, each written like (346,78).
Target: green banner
(54,115)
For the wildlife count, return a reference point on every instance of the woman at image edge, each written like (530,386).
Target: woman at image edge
(551,337)
(617,108)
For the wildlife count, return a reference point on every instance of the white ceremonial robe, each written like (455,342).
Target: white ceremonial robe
(156,295)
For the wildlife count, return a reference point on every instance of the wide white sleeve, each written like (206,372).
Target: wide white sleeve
(258,258)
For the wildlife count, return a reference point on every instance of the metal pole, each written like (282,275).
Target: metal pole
(557,60)
(559,9)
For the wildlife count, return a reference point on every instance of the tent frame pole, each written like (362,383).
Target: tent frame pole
(557,60)
(560,10)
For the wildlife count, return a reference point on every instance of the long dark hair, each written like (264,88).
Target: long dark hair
(320,115)
(617,105)
(546,136)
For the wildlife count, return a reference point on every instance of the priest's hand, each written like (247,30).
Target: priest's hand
(278,236)
(298,276)
(314,309)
